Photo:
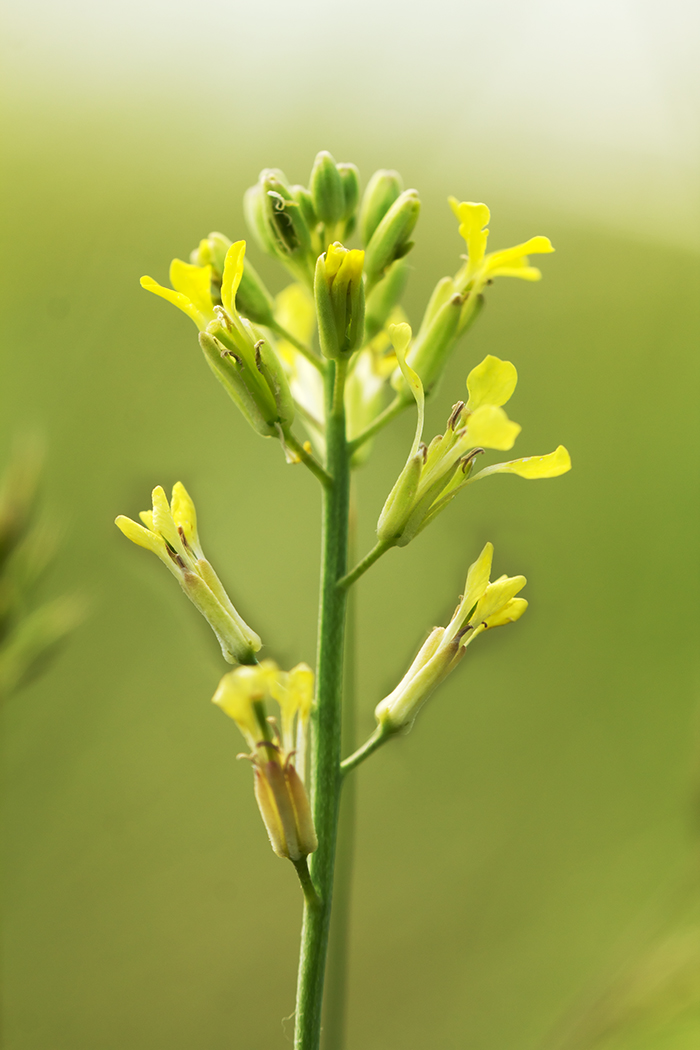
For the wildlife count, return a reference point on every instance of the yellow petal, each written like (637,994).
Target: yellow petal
(195,283)
(235,695)
(490,427)
(163,520)
(233,271)
(143,537)
(301,684)
(184,513)
(517,255)
(510,612)
(182,302)
(496,597)
(146,517)
(550,466)
(473,218)
(491,383)
(478,577)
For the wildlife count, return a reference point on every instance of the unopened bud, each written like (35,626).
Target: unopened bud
(390,240)
(382,190)
(432,348)
(327,189)
(340,300)
(350,180)
(384,297)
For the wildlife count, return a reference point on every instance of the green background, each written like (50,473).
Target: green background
(541,803)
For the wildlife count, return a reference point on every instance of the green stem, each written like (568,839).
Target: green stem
(307,459)
(310,896)
(378,737)
(334,1034)
(390,412)
(325,778)
(362,566)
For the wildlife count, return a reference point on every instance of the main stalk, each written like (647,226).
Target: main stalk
(325,779)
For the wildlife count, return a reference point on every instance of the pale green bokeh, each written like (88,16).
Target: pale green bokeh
(542,799)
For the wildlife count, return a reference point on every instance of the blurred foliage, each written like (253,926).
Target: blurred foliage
(508,842)
(29,634)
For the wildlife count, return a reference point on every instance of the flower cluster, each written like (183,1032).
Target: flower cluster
(435,473)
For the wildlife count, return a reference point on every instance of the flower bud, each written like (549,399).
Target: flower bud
(390,239)
(432,348)
(384,297)
(327,189)
(382,190)
(276,219)
(350,180)
(340,300)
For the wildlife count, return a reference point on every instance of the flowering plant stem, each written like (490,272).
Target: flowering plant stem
(325,775)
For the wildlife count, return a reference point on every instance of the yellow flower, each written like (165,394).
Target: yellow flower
(170,531)
(481,266)
(433,475)
(277,754)
(484,605)
(190,292)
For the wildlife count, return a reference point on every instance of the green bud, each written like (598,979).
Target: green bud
(382,190)
(340,300)
(327,189)
(384,297)
(350,179)
(431,350)
(277,221)
(390,240)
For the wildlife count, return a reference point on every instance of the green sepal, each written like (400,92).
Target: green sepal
(225,369)
(327,330)
(399,502)
(272,372)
